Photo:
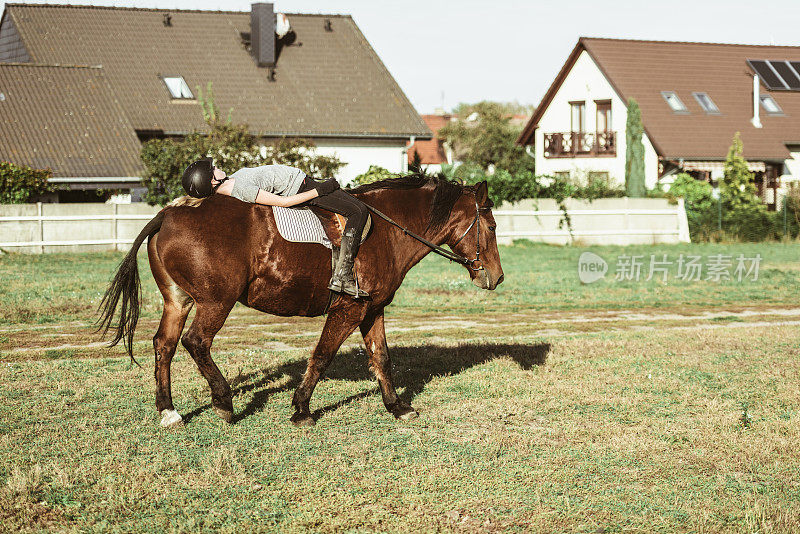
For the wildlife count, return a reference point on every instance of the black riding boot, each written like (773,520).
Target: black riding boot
(343,280)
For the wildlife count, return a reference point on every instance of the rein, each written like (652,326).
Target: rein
(452,256)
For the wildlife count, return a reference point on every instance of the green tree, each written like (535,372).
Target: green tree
(744,214)
(483,135)
(634,152)
(232,147)
(737,190)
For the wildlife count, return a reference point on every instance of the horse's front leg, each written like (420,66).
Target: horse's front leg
(339,325)
(374,333)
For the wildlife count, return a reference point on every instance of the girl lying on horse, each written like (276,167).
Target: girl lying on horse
(280,185)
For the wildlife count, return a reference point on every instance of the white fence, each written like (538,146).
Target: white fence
(605,221)
(37,228)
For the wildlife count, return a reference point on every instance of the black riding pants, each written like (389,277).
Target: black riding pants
(342,203)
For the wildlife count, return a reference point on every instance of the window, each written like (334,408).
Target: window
(603,115)
(706,103)
(597,176)
(578,117)
(561,175)
(177,87)
(770,106)
(674,102)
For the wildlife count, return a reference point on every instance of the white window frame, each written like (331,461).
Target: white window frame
(778,110)
(177,87)
(580,107)
(668,95)
(708,104)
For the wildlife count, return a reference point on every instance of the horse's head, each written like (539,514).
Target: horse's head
(473,236)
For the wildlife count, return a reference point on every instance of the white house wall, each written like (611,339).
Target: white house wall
(586,82)
(360,154)
(792,166)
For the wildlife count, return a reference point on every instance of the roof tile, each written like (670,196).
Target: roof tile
(327,83)
(71,111)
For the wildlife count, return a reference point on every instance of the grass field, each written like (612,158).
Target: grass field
(544,406)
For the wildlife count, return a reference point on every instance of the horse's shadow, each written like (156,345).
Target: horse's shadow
(413,368)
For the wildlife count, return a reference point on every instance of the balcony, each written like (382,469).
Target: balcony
(580,144)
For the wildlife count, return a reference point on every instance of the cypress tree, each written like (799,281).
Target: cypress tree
(634,152)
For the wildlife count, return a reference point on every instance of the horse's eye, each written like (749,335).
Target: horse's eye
(492,228)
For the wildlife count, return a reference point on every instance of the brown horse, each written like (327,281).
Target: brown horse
(225,250)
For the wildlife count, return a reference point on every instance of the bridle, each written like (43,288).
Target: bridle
(476,222)
(452,256)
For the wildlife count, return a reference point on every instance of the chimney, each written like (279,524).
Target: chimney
(262,34)
(756,121)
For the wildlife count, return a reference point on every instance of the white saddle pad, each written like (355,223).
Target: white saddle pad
(300,225)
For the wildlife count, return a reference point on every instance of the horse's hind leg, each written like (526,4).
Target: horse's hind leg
(339,325)
(177,304)
(374,333)
(197,340)
(176,308)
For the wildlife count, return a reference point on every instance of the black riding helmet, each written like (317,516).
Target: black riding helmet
(197,178)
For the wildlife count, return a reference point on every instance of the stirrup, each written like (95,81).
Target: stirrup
(358,293)
(339,286)
(346,284)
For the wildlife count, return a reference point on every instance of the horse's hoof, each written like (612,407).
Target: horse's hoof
(303,419)
(171,419)
(224,414)
(404,412)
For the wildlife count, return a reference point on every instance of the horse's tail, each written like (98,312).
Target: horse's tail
(126,285)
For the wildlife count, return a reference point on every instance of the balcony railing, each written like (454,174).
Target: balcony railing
(573,144)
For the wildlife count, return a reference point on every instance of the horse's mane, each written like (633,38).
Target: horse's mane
(446,193)
(185,201)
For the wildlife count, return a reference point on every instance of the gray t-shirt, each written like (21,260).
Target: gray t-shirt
(277,179)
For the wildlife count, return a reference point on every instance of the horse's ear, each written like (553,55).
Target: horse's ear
(481,192)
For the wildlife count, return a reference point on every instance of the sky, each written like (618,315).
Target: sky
(443,53)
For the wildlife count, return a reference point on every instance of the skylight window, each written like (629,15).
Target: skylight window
(177,87)
(770,106)
(706,103)
(674,103)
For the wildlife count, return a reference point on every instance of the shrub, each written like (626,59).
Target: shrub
(503,186)
(701,207)
(18,183)
(374,174)
(789,216)
(598,187)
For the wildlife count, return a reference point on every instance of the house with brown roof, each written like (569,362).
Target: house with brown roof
(285,75)
(693,97)
(433,152)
